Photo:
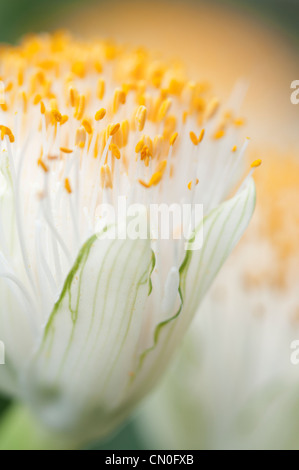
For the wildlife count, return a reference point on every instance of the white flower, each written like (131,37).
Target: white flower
(235,384)
(89,323)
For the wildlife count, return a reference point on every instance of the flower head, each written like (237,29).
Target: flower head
(89,321)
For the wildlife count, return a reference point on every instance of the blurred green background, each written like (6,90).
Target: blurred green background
(18,17)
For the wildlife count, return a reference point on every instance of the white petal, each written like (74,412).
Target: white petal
(89,346)
(223,228)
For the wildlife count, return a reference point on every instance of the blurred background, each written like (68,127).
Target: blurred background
(220,41)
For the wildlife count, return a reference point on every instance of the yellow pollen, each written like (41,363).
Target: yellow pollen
(114,128)
(6,131)
(65,150)
(143,183)
(9,87)
(156,178)
(43,165)
(100,114)
(173,138)
(73,97)
(201,135)
(219,134)
(42,108)
(87,126)
(191,182)
(139,146)
(193,138)
(115,151)
(125,129)
(234,149)
(141,118)
(101,89)
(37,99)
(256,163)
(239,122)
(164,108)
(67,185)
(56,115)
(64,119)
(118,99)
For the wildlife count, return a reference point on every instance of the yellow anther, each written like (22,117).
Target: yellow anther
(87,126)
(193,138)
(256,163)
(115,151)
(239,122)
(141,115)
(64,119)
(219,134)
(79,69)
(191,183)
(101,89)
(9,87)
(155,179)
(175,86)
(42,107)
(4,107)
(212,108)
(164,108)
(144,152)
(114,128)
(65,150)
(6,131)
(37,99)
(100,114)
(56,115)
(20,78)
(42,164)
(118,99)
(53,104)
(184,117)
(234,149)
(139,146)
(173,138)
(73,97)
(67,185)
(144,184)
(201,135)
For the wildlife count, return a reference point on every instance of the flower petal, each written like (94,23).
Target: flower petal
(89,346)
(222,229)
